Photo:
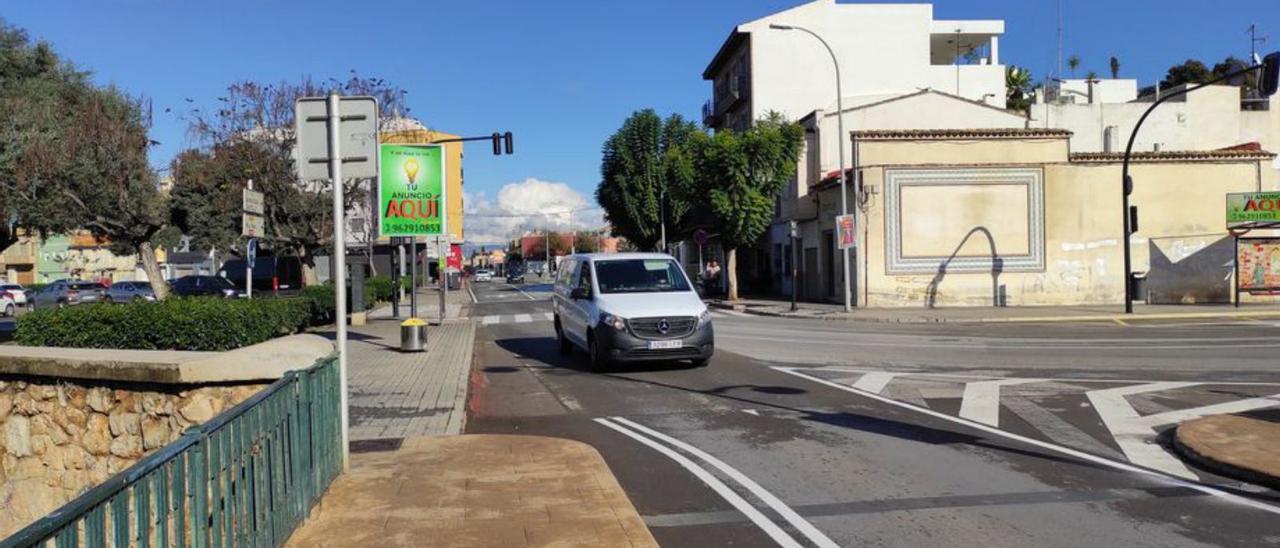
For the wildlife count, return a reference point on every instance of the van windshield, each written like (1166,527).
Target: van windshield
(640,276)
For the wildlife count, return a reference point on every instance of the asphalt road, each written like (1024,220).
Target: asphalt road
(811,433)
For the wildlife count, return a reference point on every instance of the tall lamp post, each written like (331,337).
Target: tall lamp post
(1267,83)
(844,192)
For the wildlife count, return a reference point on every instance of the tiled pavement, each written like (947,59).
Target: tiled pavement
(398,395)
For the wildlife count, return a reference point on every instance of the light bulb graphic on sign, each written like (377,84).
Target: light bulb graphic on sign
(410,167)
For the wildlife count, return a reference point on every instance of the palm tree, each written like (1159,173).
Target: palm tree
(1017,85)
(1115,67)
(1073,63)
(1092,76)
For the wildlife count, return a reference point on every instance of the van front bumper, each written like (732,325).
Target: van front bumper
(622,346)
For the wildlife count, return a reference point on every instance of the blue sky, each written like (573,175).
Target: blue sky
(561,75)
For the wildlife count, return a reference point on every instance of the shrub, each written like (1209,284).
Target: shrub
(198,323)
(380,289)
(320,303)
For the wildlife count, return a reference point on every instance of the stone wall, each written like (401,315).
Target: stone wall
(58,439)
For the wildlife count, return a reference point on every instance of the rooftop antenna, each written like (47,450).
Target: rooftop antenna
(1059,74)
(1255,41)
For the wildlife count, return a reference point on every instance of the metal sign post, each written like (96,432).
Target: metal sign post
(347,124)
(250,257)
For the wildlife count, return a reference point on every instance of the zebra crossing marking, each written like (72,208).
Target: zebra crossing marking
(1126,417)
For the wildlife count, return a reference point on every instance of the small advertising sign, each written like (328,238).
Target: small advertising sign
(845,229)
(1252,209)
(411,189)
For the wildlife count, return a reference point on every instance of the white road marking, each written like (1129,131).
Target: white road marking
(523,318)
(770,528)
(1135,434)
(1169,479)
(874,381)
(846,369)
(1268,343)
(472,292)
(490,320)
(1135,437)
(981,400)
(528,296)
(549,316)
(751,412)
(807,529)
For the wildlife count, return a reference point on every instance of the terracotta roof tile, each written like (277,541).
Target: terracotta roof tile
(1172,155)
(975,133)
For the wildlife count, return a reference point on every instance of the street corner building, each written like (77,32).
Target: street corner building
(1000,217)
(960,201)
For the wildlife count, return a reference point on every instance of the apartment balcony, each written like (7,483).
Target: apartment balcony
(709,116)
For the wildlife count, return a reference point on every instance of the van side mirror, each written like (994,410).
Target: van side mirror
(580,294)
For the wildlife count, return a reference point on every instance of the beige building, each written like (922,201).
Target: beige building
(984,217)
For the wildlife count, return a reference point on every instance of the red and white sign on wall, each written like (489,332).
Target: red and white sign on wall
(845,229)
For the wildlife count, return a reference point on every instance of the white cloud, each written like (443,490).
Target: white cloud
(524,206)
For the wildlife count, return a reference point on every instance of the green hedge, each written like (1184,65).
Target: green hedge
(199,323)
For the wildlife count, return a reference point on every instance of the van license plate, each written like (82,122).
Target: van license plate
(664,345)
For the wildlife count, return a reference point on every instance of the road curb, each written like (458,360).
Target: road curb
(1202,458)
(1027,319)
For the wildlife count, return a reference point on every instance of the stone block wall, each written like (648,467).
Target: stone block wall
(58,439)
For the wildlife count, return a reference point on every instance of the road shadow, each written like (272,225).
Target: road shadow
(546,350)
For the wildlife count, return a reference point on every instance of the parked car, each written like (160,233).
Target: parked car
(623,307)
(63,293)
(484,275)
(128,292)
(16,292)
(8,307)
(271,274)
(201,285)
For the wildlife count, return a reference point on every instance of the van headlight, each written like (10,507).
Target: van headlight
(704,318)
(613,321)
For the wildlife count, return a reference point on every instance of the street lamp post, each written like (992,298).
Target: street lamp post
(844,192)
(1266,87)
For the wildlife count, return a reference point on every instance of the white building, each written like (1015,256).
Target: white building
(1211,118)
(884,50)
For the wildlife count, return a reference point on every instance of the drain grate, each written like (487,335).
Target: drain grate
(376,446)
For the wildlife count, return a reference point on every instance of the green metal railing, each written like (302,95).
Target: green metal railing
(246,478)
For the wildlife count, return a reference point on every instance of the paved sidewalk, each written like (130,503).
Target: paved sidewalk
(396,394)
(1012,314)
(476,491)
(1235,446)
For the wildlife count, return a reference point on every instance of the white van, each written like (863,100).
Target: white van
(626,307)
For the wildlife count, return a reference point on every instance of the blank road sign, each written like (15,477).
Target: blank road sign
(358,141)
(253,202)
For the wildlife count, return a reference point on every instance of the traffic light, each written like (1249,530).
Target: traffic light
(507,140)
(1269,80)
(497,144)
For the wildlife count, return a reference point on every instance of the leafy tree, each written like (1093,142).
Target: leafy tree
(745,172)
(1193,71)
(646,177)
(1017,83)
(74,156)
(1073,63)
(251,136)
(1115,67)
